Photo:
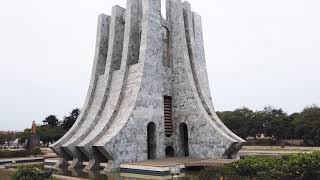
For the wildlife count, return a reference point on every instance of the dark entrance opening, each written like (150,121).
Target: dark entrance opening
(184,138)
(82,155)
(98,155)
(151,138)
(169,151)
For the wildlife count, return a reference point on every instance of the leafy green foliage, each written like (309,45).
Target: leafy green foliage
(14,153)
(36,151)
(28,173)
(68,121)
(52,129)
(50,134)
(51,121)
(288,166)
(6,137)
(239,122)
(23,136)
(275,123)
(308,125)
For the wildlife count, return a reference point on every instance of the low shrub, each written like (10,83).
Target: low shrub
(19,153)
(211,173)
(262,168)
(262,142)
(13,153)
(36,151)
(29,173)
(288,166)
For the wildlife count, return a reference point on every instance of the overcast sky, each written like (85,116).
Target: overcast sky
(259,52)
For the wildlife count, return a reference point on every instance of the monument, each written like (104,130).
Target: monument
(33,140)
(149,96)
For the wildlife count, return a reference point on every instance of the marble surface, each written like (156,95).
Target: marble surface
(140,58)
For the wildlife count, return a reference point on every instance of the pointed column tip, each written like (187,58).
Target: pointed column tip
(177,1)
(117,7)
(186,3)
(102,15)
(197,18)
(186,6)
(196,14)
(103,18)
(118,12)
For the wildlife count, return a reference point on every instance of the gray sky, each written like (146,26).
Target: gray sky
(259,52)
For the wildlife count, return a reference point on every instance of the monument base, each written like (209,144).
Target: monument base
(33,142)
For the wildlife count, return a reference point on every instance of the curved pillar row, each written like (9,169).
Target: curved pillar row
(142,97)
(102,88)
(98,69)
(193,102)
(130,55)
(197,61)
(204,82)
(147,68)
(107,60)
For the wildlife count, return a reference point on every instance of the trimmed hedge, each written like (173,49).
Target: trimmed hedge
(19,153)
(13,153)
(29,173)
(299,166)
(36,151)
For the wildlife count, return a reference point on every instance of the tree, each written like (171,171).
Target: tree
(238,121)
(6,137)
(68,121)
(2,139)
(307,125)
(51,121)
(50,134)
(23,136)
(269,121)
(291,129)
(255,124)
(275,123)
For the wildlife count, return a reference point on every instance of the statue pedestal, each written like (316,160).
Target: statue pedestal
(33,142)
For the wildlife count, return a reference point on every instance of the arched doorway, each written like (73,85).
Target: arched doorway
(184,138)
(151,138)
(169,151)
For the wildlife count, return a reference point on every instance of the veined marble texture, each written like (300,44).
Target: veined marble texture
(149,95)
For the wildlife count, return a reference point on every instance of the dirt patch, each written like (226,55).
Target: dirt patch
(5,174)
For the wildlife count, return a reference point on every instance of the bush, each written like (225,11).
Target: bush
(211,173)
(262,168)
(13,153)
(262,142)
(19,153)
(288,166)
(29,173)
(36,151)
